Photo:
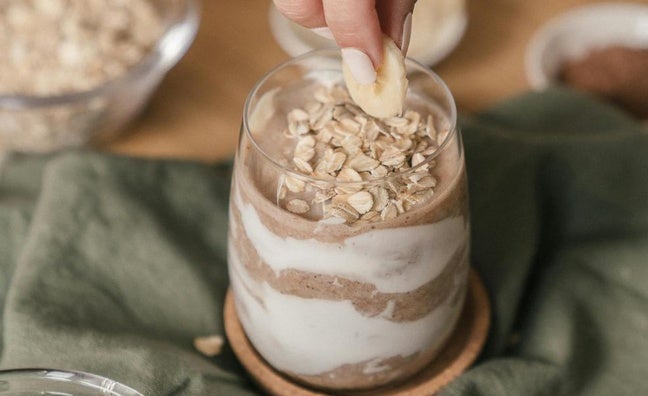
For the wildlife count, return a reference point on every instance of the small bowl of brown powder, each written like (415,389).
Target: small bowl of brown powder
(601,49)
(73,72)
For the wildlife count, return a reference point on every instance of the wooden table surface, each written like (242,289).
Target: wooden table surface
(196,112)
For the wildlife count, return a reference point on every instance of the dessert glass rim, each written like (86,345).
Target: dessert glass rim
(452,116)
(155,61)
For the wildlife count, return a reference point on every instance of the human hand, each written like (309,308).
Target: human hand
(357,26)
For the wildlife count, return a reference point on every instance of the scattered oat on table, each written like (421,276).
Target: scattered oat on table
(209,345)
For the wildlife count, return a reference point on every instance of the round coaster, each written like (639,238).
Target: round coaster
(455,357)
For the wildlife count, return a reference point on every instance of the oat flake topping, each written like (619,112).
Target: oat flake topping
(336,141)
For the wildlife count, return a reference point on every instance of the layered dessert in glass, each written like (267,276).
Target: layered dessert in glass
(349,234)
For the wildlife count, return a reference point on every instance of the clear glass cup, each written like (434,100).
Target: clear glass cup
(347,279)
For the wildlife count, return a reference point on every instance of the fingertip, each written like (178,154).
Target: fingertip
(355,25)
(359,65)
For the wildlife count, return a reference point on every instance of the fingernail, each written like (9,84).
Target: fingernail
(359,65)
(323,32)
(407,33)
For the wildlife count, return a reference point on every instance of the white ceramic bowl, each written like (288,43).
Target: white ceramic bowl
(574,33)
(438,27)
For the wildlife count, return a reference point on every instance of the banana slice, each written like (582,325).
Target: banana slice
(384,97)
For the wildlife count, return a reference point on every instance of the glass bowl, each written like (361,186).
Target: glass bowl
(47,123)
(25,382)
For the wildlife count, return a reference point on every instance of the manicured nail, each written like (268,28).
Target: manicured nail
(360,65)
(407,33)
(323,32)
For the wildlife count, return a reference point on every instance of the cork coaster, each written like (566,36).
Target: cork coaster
(455,357)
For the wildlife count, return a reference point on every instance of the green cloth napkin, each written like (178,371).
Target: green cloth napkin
(113,265)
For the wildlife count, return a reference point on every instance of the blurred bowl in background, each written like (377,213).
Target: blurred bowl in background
(573,34)
(437,28)
(30,123)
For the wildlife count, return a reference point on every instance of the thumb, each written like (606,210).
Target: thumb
(396,20)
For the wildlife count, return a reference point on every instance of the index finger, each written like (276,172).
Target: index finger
(355,24)
(308,13)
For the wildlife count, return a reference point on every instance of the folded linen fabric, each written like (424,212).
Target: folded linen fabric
(113,265)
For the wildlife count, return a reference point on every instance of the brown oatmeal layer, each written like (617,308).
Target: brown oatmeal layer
(366,299)
(450,200)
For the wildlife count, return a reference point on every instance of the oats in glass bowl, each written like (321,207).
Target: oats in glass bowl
(77,70)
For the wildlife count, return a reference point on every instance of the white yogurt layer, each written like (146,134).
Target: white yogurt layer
(313,336)
(309,336)
(395,260)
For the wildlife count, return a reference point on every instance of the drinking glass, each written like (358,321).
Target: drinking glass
(355,280)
